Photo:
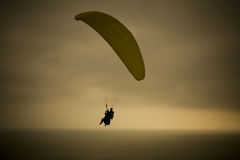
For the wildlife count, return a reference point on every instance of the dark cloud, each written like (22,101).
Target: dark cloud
(191,51)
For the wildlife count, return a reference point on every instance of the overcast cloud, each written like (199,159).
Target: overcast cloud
(190,48)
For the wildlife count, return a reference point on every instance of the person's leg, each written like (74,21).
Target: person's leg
(101,121)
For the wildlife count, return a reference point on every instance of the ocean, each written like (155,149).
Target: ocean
(108,144)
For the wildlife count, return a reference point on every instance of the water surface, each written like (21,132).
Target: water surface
(118,145)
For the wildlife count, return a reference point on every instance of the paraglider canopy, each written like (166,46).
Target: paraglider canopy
(119,38)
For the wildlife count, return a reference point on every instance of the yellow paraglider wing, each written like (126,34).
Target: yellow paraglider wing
(119,38)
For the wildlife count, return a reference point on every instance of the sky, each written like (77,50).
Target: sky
(56,72)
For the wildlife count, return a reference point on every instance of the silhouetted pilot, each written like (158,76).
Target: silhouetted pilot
(108,116)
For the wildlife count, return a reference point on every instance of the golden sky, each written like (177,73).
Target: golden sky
(59,73)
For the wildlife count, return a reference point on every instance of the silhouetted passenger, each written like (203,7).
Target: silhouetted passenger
(111,113)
